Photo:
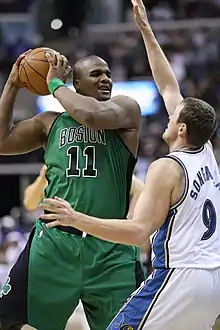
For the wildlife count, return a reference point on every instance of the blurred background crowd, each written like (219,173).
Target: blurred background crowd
(188,31)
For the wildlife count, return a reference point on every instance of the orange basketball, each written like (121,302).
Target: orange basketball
(33,71)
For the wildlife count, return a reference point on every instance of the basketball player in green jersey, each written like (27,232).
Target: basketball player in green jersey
(90,154)
(34,192)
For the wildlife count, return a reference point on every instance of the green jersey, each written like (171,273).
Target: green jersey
(91,169)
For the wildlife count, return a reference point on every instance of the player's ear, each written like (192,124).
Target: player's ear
(183,129)
(76,84)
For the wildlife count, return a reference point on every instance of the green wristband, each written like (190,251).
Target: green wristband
(54,84)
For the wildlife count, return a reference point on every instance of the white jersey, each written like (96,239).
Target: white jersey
(190,236)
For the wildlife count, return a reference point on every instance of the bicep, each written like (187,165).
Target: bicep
(152,207)
(118,113)
(23,137)
(172,98)
(153,204)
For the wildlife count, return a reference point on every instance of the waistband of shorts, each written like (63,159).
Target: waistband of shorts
(70,230)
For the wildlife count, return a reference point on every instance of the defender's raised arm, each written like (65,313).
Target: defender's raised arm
(161,70)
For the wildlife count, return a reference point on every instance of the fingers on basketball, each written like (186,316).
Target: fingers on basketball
(64,61)
(52,58)
(139,2)
(21,57)
(59,60)
(67,71)
(33,70)
(34,66)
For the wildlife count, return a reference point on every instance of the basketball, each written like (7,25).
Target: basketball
(33,70)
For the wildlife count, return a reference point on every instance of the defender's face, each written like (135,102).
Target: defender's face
(171,132)
(95,80)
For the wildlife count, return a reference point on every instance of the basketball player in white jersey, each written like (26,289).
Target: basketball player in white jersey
(181,200)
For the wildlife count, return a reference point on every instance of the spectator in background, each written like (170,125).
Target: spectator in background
(12,242)
(11,6)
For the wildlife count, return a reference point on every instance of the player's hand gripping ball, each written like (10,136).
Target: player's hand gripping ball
(33,70)
(13,78)
(58,67)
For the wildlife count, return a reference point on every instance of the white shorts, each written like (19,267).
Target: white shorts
(172,299)
(78,319)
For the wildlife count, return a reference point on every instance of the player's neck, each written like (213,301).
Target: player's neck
(179,145)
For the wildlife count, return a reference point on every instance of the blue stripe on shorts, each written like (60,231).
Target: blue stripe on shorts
(136,310)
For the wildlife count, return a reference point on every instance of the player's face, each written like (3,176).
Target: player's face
(171,132)
(96,80)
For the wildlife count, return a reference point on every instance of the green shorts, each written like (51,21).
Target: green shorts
(57,268)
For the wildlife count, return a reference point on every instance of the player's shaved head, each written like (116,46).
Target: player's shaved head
(92,77)
(84,63)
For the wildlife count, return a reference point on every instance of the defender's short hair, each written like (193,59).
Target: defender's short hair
(200,119)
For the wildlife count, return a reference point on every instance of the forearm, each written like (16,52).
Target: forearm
(34,193)
(79,107)
(6,110)
(119,231)
(161,70)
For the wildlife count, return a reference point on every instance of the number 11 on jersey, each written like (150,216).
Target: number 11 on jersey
(89,154)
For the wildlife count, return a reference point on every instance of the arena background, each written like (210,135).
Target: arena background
(188,31)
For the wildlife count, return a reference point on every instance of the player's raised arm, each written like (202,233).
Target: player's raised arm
(163,181)
(22,137)
(161,70)
(97,112)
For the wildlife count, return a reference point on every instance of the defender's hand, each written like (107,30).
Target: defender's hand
(61,214)
(59,67)
(13,78)
(140,14)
